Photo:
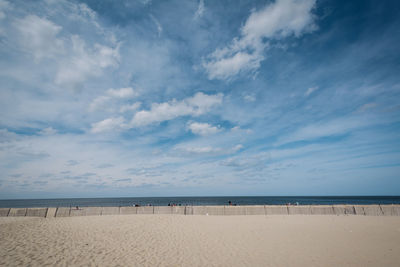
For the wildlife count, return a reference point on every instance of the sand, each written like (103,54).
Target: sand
(174,240)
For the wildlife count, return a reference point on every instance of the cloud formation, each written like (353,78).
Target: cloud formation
(187,149)
(4,5)
(330,128)
(83,62)
(46,39)
(203,129)
(157,23)
(107,125)
(108,100)
(275,21)
(200,10)
(122,93)
(311,90)
(197,105)
(39,37)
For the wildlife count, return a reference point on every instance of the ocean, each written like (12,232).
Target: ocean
(198,201)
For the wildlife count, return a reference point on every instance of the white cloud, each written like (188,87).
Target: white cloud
(200,10)
(249,98)
(232,64)
(199,150)
(7,136)
(326,129)
(71,59)
(131,107)
(107,125)
(98,102)
(280,19)
(4,5)
(208,149)
(38,36)
(239,129)
(122,93)
(237,147)
(85,62)
(87,11)
(203,128)
(161,112)
(157,23)
(146,2)
(311,90)
(48,131)
(366,106)
(198,104)
(275,21)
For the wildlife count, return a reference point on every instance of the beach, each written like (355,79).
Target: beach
(200,240)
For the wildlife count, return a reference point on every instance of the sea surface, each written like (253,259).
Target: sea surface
(198,201)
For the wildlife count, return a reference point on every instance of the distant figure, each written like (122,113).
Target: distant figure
(77,208)
(230,203)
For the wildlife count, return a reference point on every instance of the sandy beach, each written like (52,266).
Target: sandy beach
(174,240)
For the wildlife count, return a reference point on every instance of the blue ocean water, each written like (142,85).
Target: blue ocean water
(197,201)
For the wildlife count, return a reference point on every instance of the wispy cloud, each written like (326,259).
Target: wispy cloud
(108,125)
(193,106)
(75,60)
(333,127)
(105,165)
(122,93)
(83,62)
(366,107)
(275,21)
(197,105)
(157,23)
(200,10)
(203,129)
(132,107)
(38,36)
(72,162)
(48,131)
(187,149)
(249,98)
(4,5)
(311,90)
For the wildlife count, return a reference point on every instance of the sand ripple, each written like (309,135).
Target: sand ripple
(173,240)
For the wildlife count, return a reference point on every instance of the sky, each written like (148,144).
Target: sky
(199,98)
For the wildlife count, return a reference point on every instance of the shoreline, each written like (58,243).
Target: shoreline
(365,210)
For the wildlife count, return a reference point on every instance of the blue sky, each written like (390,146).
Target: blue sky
(186,98)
